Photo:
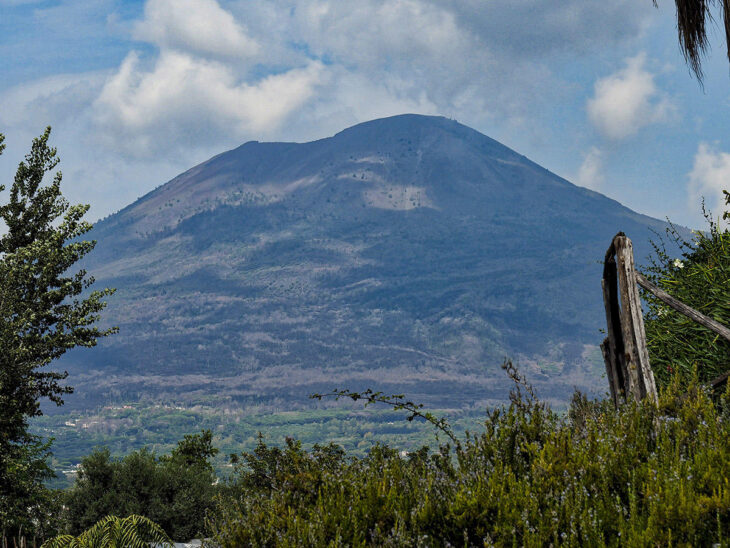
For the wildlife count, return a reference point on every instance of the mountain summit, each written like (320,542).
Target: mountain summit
(409,253)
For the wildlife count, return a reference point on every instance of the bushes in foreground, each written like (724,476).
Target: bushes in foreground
(639,476)
(701,279)
(175,491)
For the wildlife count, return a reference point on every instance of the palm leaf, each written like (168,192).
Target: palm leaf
(112,532)
(62,541)
(693,17)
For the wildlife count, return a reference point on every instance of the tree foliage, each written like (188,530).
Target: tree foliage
(42,315)
(642,475)
(113,532)
(176,491)
(699,278)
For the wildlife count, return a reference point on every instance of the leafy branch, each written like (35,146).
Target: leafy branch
(523,401)
(398,403)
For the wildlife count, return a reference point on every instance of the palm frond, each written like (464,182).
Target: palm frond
(62,541)
(112,532)
(693,18)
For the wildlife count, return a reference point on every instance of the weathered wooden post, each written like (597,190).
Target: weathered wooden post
(624,349)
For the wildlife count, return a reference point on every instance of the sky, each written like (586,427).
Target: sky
(138,91)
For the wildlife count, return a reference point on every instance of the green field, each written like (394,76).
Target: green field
(126,428)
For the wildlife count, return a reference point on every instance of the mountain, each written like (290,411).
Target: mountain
(409,254)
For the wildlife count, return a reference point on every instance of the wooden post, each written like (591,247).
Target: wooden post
(624,349)
(613,346)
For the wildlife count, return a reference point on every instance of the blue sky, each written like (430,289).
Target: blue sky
(138,91)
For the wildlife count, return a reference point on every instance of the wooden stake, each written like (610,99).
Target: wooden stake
(624,350)
(632,323)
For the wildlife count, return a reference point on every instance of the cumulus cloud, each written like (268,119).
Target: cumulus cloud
(461,48)
(200,26)
(590,173)
(211,74)
(184,98)
(710,175)
(197,89)
(217,76)
(52,100)
(370,33)
(627,101)
(537,28)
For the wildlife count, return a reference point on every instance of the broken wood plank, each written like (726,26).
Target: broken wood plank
(615,386)
(612,346)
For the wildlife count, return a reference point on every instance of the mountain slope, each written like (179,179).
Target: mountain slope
(409,253)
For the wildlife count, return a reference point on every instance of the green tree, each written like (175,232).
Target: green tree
(701,279)
(175,490)
(42,316)
(113,532)
(195,450)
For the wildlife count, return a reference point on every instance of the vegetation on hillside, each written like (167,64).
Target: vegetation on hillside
(639,475)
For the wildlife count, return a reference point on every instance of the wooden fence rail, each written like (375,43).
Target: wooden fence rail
(624,349)
(682,308)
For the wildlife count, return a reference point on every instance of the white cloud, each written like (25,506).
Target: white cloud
(345,63)
(627,101)
(219,73)
(710,175)
(537,28)
(590,173)
(371,33)
(199,26)
(184,99)
(49,101)
(198,90)
(352,98)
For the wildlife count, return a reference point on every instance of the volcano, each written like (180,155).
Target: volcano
(409,254)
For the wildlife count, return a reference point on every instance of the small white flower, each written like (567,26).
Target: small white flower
(678,263)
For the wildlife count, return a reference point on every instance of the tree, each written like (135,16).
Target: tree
(176,490)
(42,315)
(113,532)
(195,450)
(693,16)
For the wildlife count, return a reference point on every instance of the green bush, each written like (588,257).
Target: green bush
(700,279)
(643,475)
(175,491)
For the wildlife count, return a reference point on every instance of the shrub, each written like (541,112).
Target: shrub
(113,532)
(700,279)
(175,491)
(637,476)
